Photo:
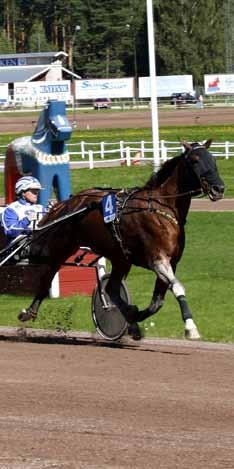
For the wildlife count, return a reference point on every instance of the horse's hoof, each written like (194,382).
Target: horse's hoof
(26,315)
(134,331)
(191,331)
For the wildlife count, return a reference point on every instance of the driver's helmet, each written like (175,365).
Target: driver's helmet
(25,183)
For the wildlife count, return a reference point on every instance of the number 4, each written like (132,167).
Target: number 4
(108,204)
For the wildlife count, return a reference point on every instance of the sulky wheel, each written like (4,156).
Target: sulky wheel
(109,321)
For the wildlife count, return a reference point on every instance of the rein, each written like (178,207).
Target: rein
(61,219)
(181,194)
(117,191)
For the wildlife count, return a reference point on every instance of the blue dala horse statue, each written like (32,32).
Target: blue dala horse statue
(43,155)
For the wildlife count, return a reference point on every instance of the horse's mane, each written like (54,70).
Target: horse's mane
(158,178)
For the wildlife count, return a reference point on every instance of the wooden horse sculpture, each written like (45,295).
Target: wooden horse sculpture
(43,155)
(148,232)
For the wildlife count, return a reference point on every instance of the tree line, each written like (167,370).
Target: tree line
(108,39)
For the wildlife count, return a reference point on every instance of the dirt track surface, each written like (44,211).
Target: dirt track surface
(119,119)
(89,405)
(224,205)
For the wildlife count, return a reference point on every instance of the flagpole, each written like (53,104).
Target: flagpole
(153,85)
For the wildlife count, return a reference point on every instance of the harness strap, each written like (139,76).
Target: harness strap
(122,197)
(115,230)
(165,214)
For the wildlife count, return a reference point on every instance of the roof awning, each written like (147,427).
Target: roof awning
(27,73)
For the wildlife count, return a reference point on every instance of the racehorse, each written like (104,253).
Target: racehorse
(148,231)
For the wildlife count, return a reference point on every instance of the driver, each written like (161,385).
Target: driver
(21,216)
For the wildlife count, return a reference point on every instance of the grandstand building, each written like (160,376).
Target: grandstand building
(34,66)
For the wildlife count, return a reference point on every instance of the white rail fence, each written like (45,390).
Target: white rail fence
(98,154)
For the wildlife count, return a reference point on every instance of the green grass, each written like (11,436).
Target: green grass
(128,177)
(206,270)
(131,177)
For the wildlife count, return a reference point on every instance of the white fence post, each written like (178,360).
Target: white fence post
(163,150)
(142,149)
(121,147)
(90,159)
(128,156)
(82,147)
(226,150)
(102,145)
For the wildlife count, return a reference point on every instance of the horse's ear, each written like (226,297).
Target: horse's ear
(208,143)
(186,145)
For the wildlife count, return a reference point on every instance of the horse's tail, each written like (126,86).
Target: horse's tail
(11,174)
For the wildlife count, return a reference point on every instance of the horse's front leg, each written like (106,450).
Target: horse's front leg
(165,272)
(156,302)
(113,290)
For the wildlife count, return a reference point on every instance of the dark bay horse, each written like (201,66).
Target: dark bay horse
(148,231)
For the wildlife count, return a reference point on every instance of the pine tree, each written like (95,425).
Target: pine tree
(189,37)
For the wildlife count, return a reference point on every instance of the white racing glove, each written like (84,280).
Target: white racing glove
(32,216)
(50,205)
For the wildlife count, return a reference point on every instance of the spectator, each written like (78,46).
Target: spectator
(200,101)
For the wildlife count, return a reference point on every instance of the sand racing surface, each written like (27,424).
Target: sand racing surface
(149,405)
(125,119)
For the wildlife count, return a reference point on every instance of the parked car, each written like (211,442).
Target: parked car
(183,98)
(7,105)
(102,103)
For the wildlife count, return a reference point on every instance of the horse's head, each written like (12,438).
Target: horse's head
(57,121)
(52,128)
(203,169)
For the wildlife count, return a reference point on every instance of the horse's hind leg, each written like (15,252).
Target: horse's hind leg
(31,311)
(165,272)
(44,284)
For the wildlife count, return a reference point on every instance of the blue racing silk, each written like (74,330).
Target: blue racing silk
(16,218)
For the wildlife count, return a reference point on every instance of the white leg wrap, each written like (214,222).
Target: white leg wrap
(165,272)
(177,288)
(191,331)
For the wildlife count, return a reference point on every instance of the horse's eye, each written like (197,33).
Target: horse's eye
(194,160)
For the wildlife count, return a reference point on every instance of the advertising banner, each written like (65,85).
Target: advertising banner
(3,92)
(12,62)
(42,91)
(110,88)
(219,84)
(166,85)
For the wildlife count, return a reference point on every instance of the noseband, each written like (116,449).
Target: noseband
(197,147)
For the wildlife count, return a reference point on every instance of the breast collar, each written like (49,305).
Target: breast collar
(123,196)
